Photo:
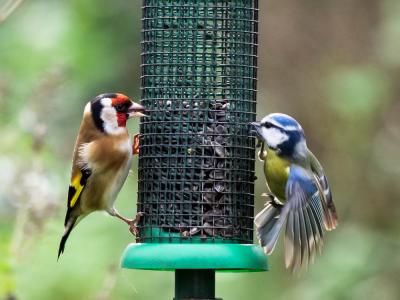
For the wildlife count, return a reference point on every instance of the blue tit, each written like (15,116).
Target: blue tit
(300,198)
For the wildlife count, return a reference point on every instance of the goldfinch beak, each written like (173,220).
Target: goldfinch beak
(136,110)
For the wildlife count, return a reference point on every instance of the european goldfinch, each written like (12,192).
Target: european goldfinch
(300,198)
(101,160)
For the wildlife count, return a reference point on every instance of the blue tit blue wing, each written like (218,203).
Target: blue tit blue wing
(330,215)
(305,218)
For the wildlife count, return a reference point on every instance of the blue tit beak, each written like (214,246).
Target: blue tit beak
(257,128)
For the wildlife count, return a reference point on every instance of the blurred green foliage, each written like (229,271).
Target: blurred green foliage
(334,65)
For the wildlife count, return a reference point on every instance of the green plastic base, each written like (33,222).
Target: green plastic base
(221,257)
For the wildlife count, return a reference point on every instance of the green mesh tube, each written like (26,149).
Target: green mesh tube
(196,162)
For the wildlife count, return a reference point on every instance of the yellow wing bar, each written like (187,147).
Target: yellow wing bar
(76,188)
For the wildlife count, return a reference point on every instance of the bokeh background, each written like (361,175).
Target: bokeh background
(333,65)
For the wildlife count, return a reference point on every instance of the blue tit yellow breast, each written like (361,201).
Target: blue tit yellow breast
(276,170)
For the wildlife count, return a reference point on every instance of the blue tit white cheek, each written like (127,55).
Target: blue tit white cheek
(274,136)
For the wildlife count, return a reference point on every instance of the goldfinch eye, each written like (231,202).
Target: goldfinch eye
(120,107)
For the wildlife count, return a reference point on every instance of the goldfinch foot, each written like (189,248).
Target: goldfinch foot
(135,146)
(133,223)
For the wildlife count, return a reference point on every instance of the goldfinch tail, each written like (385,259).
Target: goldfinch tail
(267,225)
(68,228)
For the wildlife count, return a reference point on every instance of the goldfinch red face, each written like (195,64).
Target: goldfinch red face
(111,111)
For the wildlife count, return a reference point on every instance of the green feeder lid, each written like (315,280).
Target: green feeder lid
(172,256)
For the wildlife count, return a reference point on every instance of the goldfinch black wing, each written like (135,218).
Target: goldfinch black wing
(78,183)
(79,178)
(331,218)
(77,186)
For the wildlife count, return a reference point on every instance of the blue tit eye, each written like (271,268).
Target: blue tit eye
(267,125)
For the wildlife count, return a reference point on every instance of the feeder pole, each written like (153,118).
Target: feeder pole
(194,284)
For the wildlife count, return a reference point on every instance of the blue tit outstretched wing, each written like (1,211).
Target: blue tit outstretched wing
(305,217)
(331,218)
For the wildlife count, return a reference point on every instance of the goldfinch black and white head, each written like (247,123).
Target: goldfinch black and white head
(111,111)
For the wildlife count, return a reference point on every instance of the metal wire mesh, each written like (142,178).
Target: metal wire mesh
(196,162)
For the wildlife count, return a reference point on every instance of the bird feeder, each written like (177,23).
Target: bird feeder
(196,161)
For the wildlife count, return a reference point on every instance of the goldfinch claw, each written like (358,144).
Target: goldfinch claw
(133,223)
(135,146)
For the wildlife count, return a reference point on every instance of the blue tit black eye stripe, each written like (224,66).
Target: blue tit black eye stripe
(268,125)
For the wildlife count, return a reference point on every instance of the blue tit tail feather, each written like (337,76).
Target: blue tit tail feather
(267,225)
